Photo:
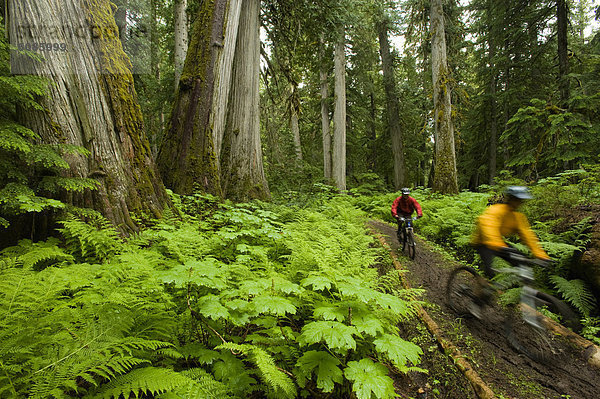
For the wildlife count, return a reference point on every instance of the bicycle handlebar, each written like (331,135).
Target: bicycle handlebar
(403,218)
(520,258)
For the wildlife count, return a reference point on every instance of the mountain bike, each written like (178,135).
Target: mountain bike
(471,295)
(406,236)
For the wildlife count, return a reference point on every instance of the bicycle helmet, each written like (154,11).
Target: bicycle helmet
(519,192)
(405,190)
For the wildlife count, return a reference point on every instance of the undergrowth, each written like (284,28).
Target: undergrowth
(230,301)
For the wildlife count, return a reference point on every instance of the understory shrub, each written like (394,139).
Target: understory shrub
(252,298)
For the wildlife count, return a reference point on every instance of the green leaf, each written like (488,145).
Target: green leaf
(393,303)
(399,351)
(255,287)
(210,306)
(354,288)
(336,312)
(328,372)
(318,283)
(275,305)
(336,335)
(367,323)
(369,378)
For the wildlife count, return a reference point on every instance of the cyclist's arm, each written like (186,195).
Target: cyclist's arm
(529,237)
(417,207)
(490,223)
(395,207)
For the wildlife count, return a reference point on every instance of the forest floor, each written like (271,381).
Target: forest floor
(508,373)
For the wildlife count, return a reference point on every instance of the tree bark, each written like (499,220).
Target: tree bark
(181,37)
(241,156)
(187,156)
(563,56)
(338,170)
(223,72)
(445,174)
(372,130)
(294,124)
(392,104)
(493,143)
(91,103)
(326,134)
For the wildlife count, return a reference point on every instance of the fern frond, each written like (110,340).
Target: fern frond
(148,380)
(278,381)
(576,293)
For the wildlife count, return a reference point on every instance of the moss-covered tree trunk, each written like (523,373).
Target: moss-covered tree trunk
(392,104)
(338,156)
(445,175)
(242,170)
(187,155)
(91,103)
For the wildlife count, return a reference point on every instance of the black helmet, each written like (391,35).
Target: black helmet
(519,192)
(406,190)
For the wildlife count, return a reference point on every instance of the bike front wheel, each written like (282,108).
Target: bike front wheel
(527,332)
(410,244)
(462,290)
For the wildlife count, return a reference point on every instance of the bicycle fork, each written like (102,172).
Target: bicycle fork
(529,312)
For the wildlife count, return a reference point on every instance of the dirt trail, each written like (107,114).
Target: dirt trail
(508,373)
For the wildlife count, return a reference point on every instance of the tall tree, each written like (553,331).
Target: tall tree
(325,131)
(181,37)
(224,68)
(392,105)
(242,170)
(294,106)
(562,22)
(91,103)
(187,155)
(445,174)
(338,158)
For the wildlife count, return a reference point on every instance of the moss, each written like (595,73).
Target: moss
(187,157)
(119,89)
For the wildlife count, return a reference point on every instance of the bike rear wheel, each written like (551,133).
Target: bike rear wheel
(535,340)
(462,289)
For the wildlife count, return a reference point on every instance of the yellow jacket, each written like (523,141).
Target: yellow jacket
(499,221)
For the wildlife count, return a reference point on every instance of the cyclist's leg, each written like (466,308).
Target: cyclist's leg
(401,223)
(487,257)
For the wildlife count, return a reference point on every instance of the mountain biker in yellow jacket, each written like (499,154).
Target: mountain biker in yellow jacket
(502,220)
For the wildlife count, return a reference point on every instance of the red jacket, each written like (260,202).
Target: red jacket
(406,206)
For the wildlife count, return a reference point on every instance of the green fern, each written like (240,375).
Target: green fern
(278,381)
(148,380)
(576,293)
(94,241)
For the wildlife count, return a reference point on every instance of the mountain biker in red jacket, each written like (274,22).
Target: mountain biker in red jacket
(404,206)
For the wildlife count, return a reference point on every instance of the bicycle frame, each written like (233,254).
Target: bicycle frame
(407,222)
(528,293)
